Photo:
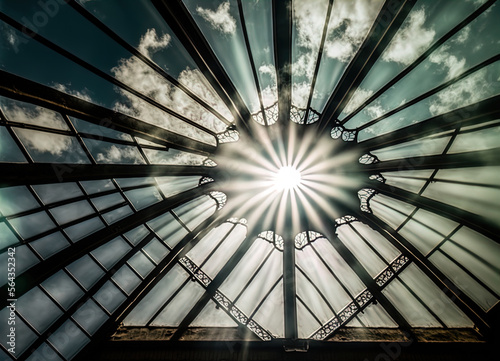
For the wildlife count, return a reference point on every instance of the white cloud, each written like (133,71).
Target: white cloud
(43,142)
(453,65)
(220,19)
(150,42)
(349,24)
(467,91)
(37,115)
(300,94)
(141,77)
(76,93)
(359,96)
(115,154)
(411,40)
(463,35)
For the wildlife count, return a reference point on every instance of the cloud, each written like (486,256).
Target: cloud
(144,79)
(411,40)
(359,96)
(467,91)
(220,19)
(349,24)
(35,115)
(43,142)
(150,42)
(463,35)
(116,154)
(451,63)
(76,93)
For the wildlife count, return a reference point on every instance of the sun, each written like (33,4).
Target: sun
(287,178)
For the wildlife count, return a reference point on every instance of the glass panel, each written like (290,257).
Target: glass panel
(478,86)
(168,229)
(365,255)
(86,271)
(349,24)
(260,285)
(83,229)
(409,307)
(173,157)
(47,147)
(105,129)
(107,201)
(376,316)
(208,243)
(63,289)
(244,270)
(33,224)
(136,235)
(143,197)
(90,317)
(44,352)
(225,251)
(133,182)
(16,111)
(50,193)
(312,298)
(38,309)
(156,250)
(7,238)
(110,297)
(25,259)
(24,336)
(306,323)
(111,252)
(463,281)
(15,200)
(71,212)
(416,148)
(212,316)
(259,26)
(97,186)
(478,254)
(271,314)
(178,308)
(117,214)
(9,151)
(152,302)
(382,245)
(110,153)
(312,265)
(196,211)
(434,298)
(399,180)
(473,141)
(126,279)
(220,23)
(425,230)
(174,185)
(475,199)
(68,339)
(427,22)
(141,264)
(391,211)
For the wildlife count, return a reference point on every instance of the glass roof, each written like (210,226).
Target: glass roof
(141,144)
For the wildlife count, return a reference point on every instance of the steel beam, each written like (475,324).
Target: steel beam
(38,273)
(471,220)
(19,88)
(43,173)
(282,34)
(185,29)
(387,23)
(475,114)
(466,305)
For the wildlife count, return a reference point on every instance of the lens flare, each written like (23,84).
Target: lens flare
(287,178)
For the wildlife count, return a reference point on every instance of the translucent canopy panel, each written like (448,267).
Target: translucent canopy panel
(142,153)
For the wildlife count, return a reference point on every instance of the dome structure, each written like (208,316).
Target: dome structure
(232,179)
